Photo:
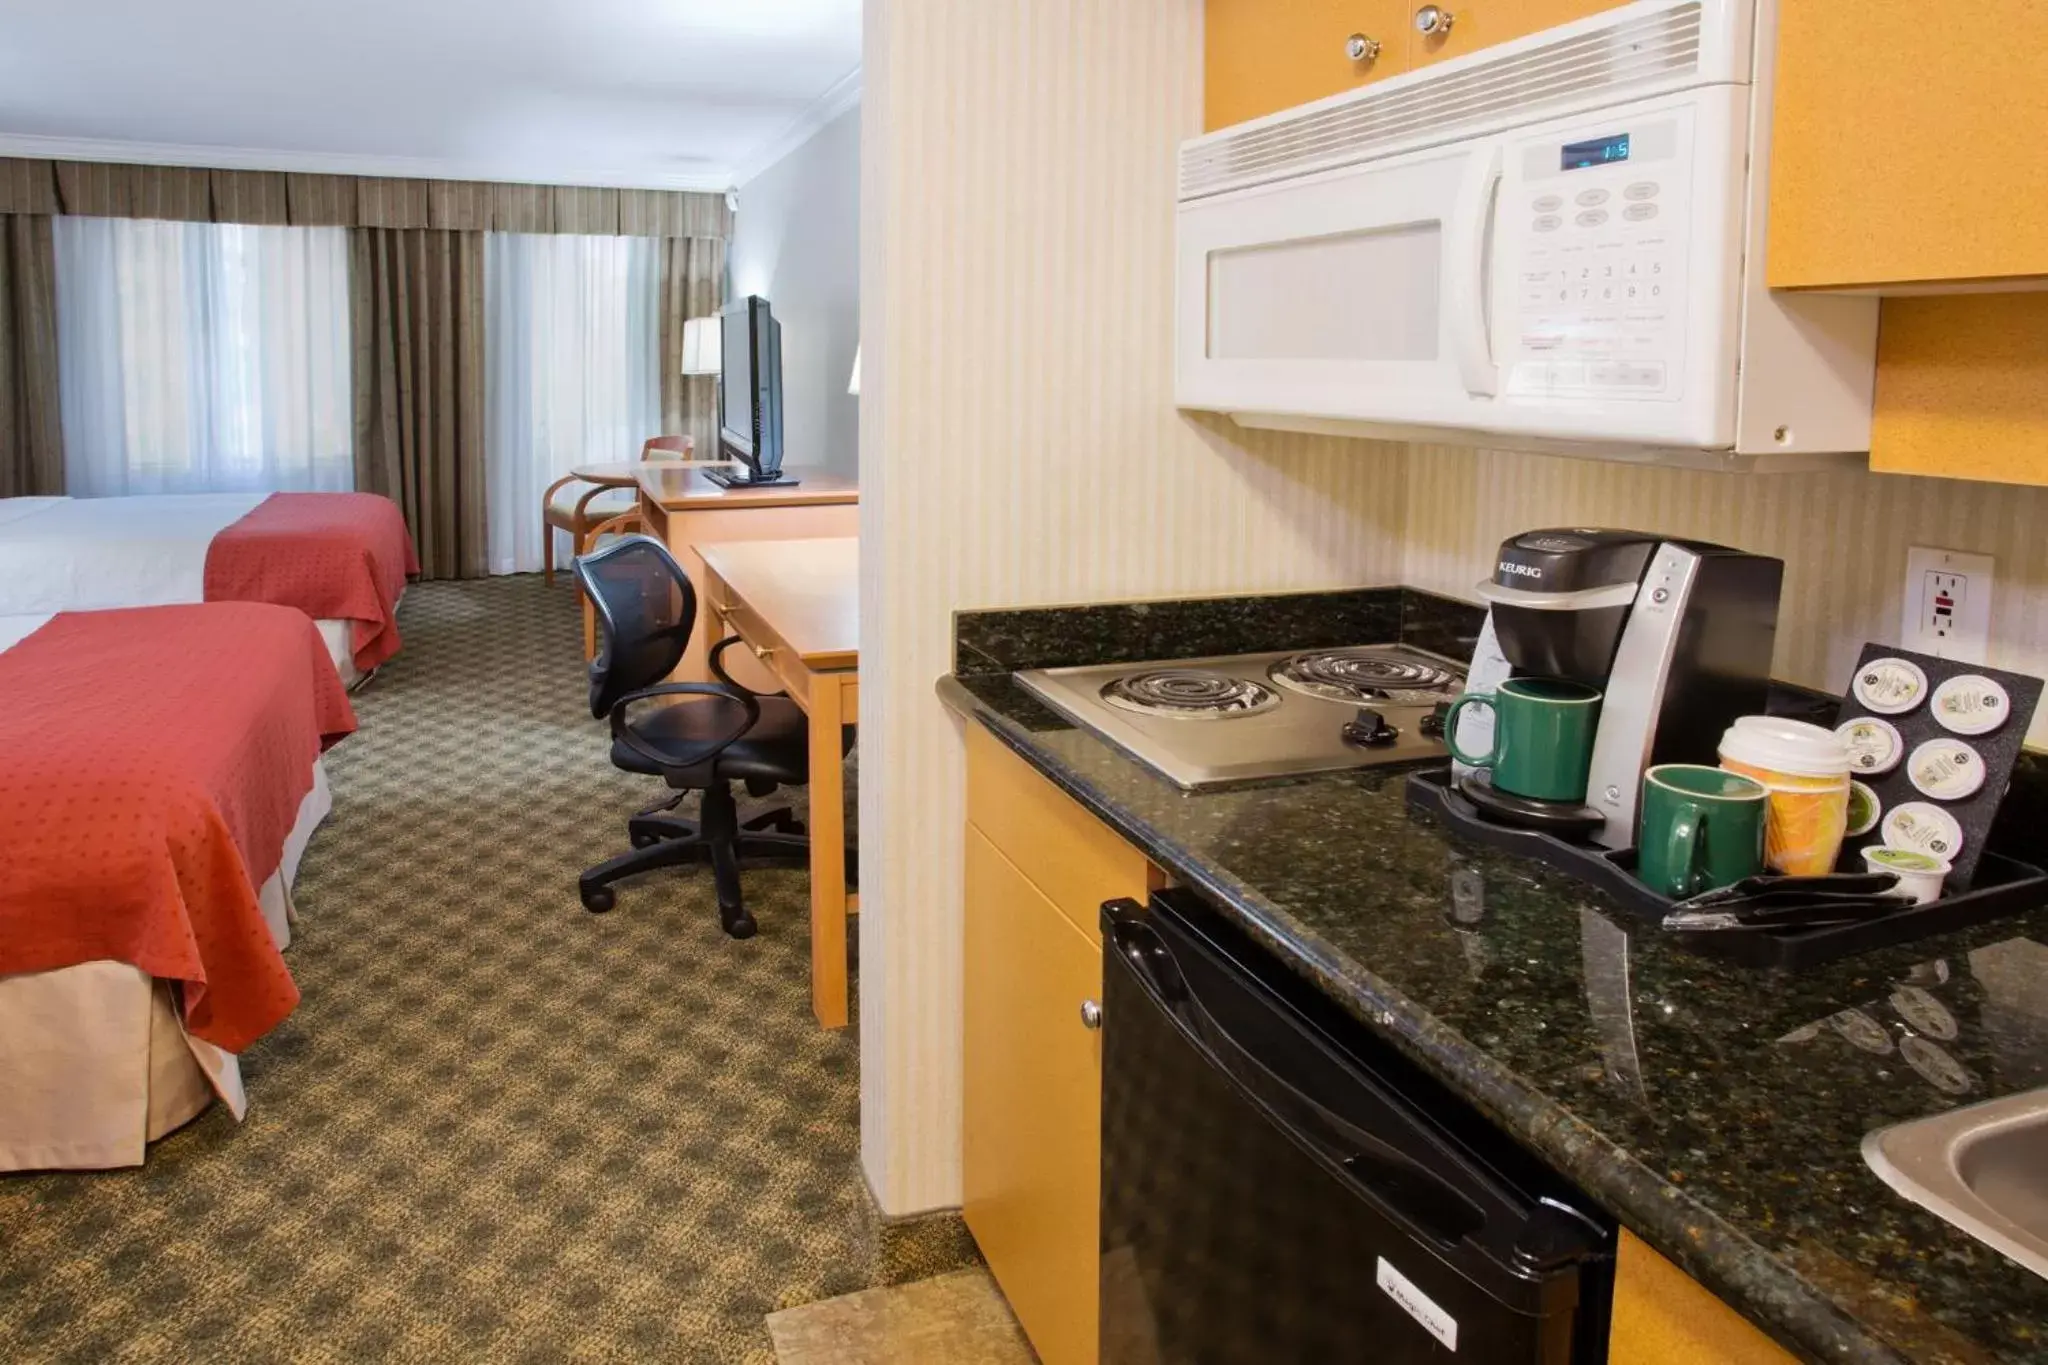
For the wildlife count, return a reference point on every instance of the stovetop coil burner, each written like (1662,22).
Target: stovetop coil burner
(1365,674)
(1188,694)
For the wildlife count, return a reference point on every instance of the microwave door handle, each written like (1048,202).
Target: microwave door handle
(1471,267)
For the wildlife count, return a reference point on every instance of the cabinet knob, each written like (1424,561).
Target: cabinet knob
(1360,47)
(1434,21)
(1091,1015)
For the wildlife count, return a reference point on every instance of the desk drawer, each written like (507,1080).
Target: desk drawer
(1074,860)
(769,650)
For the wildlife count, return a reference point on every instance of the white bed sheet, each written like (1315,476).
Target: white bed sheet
(84,554)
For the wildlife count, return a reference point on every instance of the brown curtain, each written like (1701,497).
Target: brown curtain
(31,430)
(114,190)
(417,315)
(692,286)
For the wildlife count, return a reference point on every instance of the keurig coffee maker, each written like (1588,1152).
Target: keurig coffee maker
(1676,634)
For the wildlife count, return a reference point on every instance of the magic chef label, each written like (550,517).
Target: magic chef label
(1418,1305)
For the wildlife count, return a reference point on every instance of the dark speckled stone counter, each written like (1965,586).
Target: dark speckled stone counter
(1716,1111)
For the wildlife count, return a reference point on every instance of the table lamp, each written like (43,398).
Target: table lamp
(701,346)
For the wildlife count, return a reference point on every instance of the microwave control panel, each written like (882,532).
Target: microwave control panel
(1590,241)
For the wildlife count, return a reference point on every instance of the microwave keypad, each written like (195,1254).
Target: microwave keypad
(1597,304)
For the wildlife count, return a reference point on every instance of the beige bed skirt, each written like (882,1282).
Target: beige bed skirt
(95,1062)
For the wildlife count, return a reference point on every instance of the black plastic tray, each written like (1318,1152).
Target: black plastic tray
(2004,886)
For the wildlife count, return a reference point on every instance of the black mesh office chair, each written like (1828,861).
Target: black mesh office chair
(694,736)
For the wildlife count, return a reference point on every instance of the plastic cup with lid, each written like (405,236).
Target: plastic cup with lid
(1806,770)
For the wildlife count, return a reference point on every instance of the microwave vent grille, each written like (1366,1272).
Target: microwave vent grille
(1646,50)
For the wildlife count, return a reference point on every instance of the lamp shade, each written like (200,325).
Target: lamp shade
(853,384)
(702,352)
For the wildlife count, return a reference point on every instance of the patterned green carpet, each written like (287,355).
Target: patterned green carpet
(497,1128)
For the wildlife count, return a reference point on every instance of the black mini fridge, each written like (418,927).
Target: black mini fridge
(1279,1185)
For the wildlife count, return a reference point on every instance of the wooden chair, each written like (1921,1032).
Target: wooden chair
(579,506)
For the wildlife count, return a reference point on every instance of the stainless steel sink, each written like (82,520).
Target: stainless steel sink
(1983,1168)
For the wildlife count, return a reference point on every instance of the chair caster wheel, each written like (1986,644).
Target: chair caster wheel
(598,899)
(645,840)
(741,925)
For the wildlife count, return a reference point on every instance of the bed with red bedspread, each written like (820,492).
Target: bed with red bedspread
(341,558)
(158,765)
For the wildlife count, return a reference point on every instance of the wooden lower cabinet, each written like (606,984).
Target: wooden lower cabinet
(1037,866)
(1032,1136)
(1662,1316)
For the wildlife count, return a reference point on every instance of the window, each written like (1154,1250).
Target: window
(572,371)
(203,357)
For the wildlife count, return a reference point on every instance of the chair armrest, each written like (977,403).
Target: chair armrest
(548,498)
(718,669)
(624,523)
(583,503)
(624,734)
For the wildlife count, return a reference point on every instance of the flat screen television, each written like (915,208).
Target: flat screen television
(750,395)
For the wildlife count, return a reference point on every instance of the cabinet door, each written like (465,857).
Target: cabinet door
(1906,144)
(1962,388)
(1032,1104)
(1462,26)
(1662,1316)
(1265,55)
(1533,16)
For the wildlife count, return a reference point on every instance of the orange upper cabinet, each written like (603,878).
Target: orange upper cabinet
(1439,32)
(1265,55)
(1907,145)
(1531,15)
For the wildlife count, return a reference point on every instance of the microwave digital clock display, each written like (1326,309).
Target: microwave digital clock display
(1603,151)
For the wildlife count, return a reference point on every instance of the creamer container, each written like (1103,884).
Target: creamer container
(1806,770)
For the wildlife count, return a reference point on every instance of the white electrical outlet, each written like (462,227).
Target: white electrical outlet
(1947,611)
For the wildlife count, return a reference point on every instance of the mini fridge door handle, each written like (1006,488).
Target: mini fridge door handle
(1381,1172)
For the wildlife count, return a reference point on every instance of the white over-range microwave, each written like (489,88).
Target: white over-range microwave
(1554,244)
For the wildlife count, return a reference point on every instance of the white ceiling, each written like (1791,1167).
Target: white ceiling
(670,93)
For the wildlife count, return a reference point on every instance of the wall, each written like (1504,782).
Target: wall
(1843,537)
(796,241)
(1020,446)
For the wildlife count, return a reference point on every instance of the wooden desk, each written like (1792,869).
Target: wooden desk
(685,510)
(796,604)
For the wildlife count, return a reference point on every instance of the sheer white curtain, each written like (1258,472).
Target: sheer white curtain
(572,371)
(203,357)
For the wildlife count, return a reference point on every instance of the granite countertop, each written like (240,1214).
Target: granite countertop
(1717,1111)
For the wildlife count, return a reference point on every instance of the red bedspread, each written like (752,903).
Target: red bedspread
(152,763)
(334,556)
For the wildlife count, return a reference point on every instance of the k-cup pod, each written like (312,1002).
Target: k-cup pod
(1946,770)
(1922,827)
(1875,746)
(1890,687)
(1971,704)
(1918,874)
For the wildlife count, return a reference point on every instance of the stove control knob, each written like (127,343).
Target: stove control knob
(1434,723)
(1370,728)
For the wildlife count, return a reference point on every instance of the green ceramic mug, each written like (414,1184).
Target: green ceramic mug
(1701,828)
(1542,736)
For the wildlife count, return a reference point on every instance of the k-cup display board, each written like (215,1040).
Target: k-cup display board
(1932,744)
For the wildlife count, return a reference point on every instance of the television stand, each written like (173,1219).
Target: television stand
(749,478)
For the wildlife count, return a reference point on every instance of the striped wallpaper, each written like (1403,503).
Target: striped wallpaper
(1843,537)
(1019,445)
